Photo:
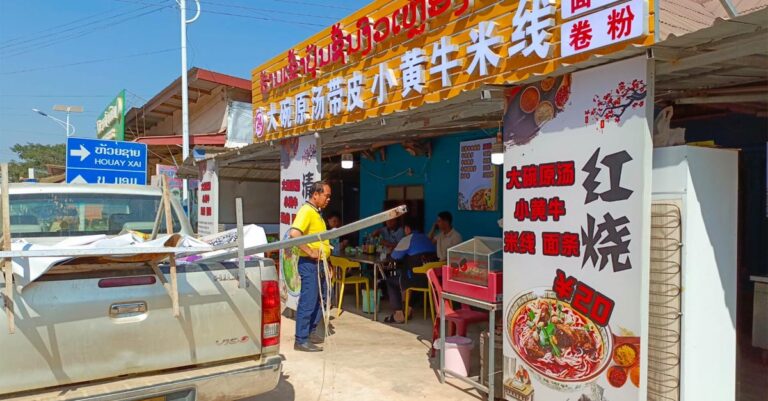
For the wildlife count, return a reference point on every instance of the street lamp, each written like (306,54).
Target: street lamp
(68,109)
(64,124)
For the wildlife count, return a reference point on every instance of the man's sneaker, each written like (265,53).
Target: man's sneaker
(307,347)
(315,338)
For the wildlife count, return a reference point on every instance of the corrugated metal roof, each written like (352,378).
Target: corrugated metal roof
(680,17)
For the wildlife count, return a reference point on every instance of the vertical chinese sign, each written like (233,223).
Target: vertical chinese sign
(577,235)
(208,201)
(299,168)
(477,176)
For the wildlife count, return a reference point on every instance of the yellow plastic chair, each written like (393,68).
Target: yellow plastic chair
(342,265)
(425,291)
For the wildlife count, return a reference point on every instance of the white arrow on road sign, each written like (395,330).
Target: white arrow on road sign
(78,180)
(82,152)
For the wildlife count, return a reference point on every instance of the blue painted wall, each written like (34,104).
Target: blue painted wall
(439,176)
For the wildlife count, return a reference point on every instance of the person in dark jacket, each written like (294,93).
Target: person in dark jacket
(412,251)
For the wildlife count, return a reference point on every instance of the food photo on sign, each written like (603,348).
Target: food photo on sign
(530,107)
(576,236)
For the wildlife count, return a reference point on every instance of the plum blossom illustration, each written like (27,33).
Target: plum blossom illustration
(612,106)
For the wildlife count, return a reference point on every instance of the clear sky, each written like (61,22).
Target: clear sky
(83,52)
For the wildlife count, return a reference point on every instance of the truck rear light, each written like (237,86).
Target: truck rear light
(270,313)
(126,281)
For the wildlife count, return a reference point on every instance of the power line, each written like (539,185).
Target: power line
(16,39)
(307,3)
(266,19)
(217,12)
(88,30)
(89,61)
(59,32)
(230,5)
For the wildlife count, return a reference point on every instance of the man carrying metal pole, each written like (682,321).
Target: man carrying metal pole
(308,311)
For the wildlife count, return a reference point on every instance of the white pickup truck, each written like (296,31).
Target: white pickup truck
(100,334)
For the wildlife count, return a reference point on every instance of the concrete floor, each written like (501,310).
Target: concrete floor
(366,360)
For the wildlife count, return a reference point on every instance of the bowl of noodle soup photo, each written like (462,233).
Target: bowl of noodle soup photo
(564,348)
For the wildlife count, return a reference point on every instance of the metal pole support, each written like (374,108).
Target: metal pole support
(240,243)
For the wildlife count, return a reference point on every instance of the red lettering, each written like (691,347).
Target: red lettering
(530,176)
(522,210)
(547,173)
(513,178)
(566,175)
(511,239)
(538,209)
(570,245)
(556,208)
(527,242)
(550,244)
(563,287)
(584,299)
(602,310)
(290,202)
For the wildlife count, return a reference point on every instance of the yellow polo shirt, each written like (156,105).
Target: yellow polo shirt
(309,221)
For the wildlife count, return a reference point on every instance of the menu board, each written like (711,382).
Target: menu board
(299,168)
(477,176)
(577,236)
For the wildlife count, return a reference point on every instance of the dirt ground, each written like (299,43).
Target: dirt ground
(367,360)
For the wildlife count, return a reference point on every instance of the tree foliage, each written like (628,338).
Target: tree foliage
(35,155)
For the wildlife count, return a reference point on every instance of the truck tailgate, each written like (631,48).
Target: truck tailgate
(75,328)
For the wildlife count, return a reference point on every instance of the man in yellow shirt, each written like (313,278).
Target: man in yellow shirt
(308,312)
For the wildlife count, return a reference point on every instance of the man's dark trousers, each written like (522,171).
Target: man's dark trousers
(308,310)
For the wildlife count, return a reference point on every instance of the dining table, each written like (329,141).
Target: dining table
(377,263)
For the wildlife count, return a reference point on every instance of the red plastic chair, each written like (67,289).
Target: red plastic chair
(458,320)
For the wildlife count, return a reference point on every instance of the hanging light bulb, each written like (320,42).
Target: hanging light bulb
(347,161)
(497,150)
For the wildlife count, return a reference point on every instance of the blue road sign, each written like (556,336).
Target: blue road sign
(94,161)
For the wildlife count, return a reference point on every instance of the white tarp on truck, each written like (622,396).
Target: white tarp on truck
(27,270)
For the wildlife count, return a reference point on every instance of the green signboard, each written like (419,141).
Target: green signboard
(111,122)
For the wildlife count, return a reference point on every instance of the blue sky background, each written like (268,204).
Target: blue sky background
(83,52)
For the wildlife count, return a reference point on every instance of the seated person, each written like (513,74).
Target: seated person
(390,234)
(447,237)
(340,243)
(414,250)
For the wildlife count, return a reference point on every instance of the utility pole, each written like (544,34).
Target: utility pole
(185,91)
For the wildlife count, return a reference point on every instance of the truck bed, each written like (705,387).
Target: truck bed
(79,327)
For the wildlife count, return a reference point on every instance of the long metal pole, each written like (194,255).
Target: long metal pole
(67,122)
(370,221)
(184,99)
(230,249)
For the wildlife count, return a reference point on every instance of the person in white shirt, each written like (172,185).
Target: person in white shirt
(446,237)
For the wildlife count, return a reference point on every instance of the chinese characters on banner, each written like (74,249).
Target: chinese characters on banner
(299,168)
(619,23)
(477,176)
(374,65)
(208,200)
(577,240)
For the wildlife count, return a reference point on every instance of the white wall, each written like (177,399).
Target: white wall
(261,201)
